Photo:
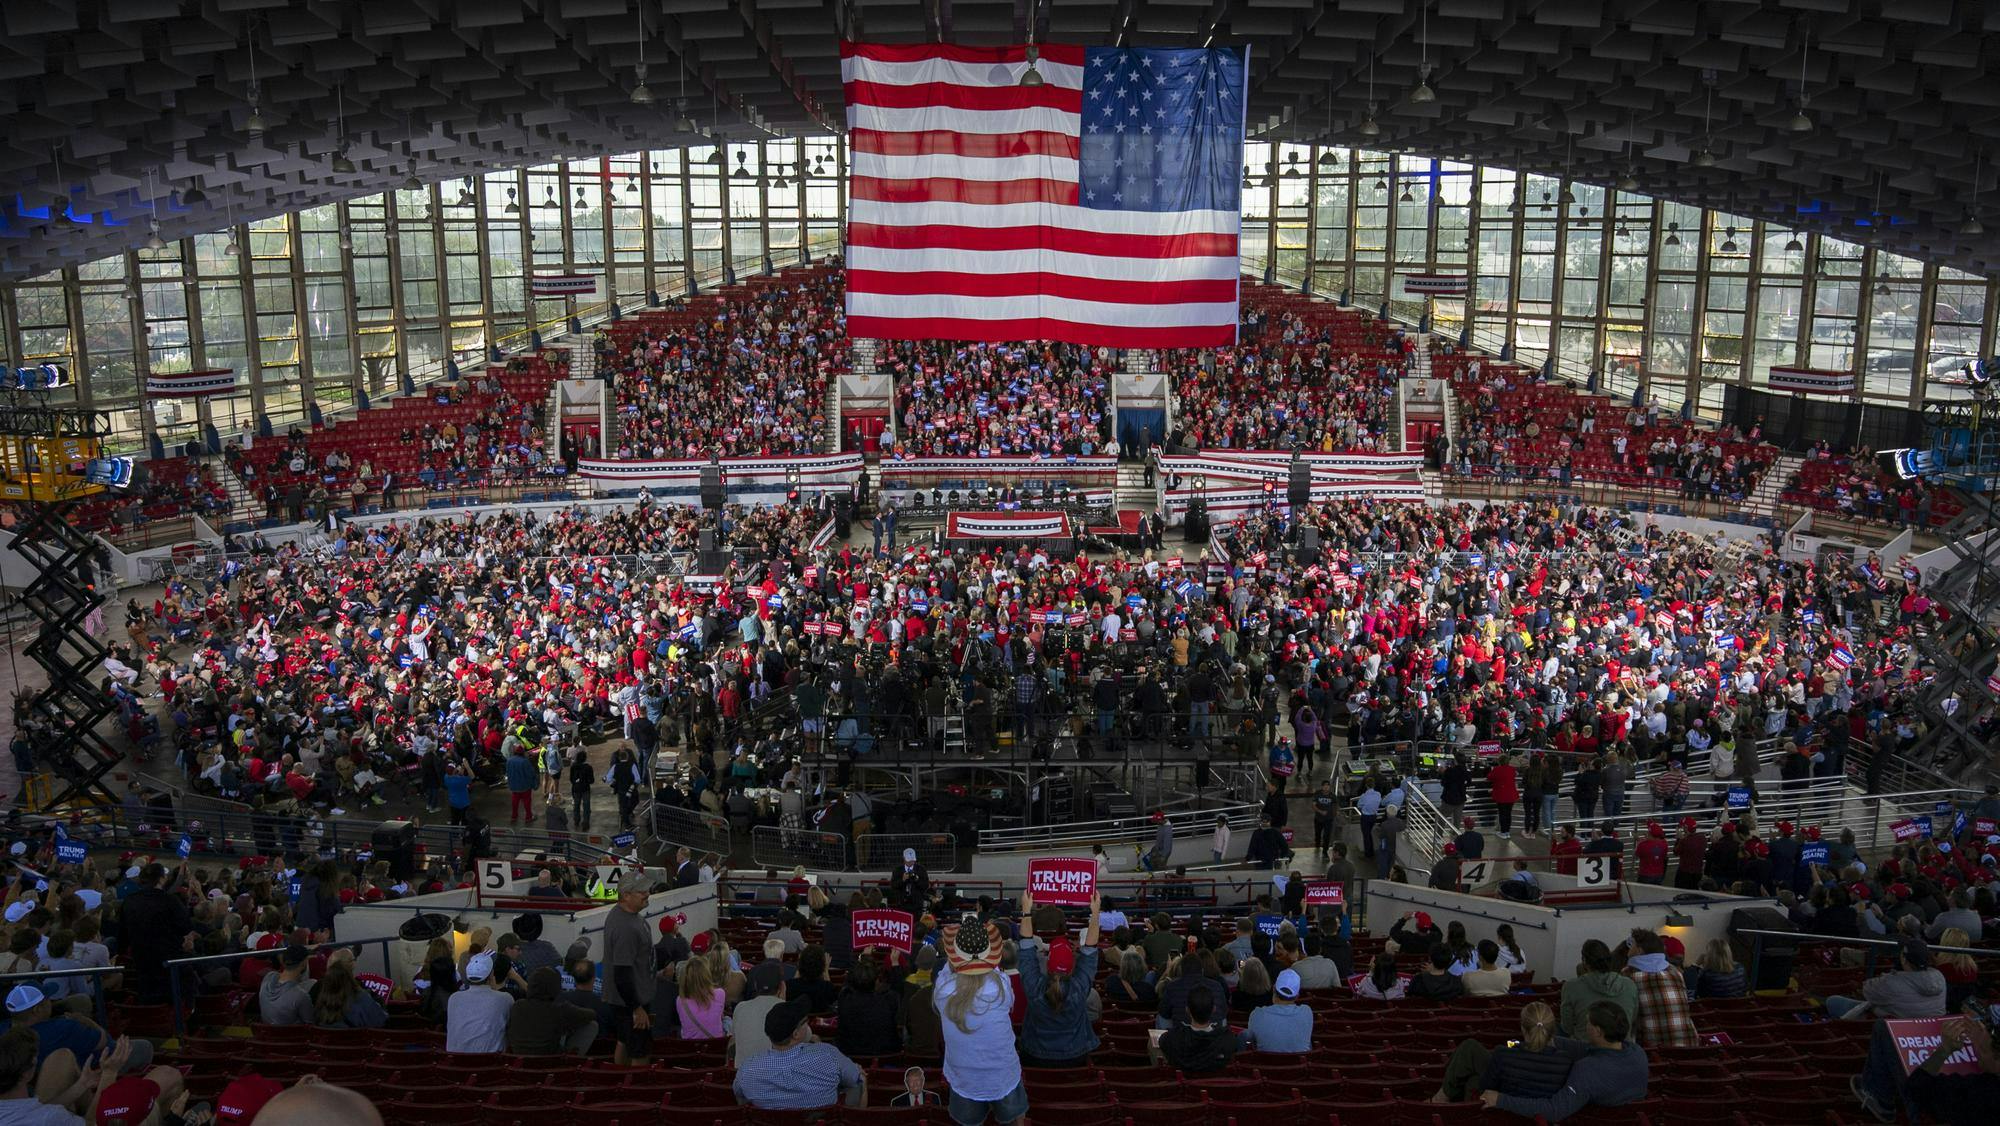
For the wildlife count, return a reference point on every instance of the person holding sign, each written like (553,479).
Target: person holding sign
(1059,986)
(1903,1073)
(981,1065)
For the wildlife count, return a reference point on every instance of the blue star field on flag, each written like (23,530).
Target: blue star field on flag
(1162,129)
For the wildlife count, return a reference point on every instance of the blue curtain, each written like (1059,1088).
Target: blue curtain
(1132,420)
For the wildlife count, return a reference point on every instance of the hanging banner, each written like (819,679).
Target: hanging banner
(190,384)
(563,285)
(1812,381)
(1007,525)
(1409,286)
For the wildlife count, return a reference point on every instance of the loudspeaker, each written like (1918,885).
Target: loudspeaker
(1194,528)
(705,541)
(712,495)
(1774,965)
(1308,549)
(395,843)
(1299,489)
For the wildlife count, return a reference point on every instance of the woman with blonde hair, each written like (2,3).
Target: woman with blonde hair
(1531,1067)
(700,1002)
(1719,975)
(1961,971)
(479,940)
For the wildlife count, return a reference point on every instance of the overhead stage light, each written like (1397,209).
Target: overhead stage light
(342,164)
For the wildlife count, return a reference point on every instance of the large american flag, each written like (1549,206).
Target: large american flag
(1101,207)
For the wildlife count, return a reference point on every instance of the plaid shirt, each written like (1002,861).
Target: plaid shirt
(1664,1020)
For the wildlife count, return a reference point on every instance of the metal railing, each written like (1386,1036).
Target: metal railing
(1831,808)
(95,976)
(773,846)
(1136,830)
(177,967)
(937,852)
(220,828)
(695,830)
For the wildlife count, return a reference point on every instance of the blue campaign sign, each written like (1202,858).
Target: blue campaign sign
(296,885)
(1739,797)
(69,851)
(625,840)
(1814,853)
(185,847)
(1270,924)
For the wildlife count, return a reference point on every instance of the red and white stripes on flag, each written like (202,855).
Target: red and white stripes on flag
(965,217)
(190,384)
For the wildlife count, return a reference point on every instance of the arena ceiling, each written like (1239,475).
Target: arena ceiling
(120,106)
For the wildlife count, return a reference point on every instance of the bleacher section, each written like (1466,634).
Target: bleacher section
(1537,417)
(395,438)
(1771,1059)
(1305,364)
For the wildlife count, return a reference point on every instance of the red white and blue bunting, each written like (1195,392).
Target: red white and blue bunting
(1007,525)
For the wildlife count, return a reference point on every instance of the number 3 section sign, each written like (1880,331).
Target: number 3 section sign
(1593,871)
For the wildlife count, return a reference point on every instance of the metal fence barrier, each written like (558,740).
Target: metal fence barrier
(691,829)
(772,846)
(937,852)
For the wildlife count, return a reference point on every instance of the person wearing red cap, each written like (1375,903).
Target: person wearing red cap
(246,1096)
(1652,854)
(1056,1031)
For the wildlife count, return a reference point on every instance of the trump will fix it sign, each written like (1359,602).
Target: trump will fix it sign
(892,929)
(1068,881)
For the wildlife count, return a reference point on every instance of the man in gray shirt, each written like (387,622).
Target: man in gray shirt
(629,978)
(285,997)
(1961,916)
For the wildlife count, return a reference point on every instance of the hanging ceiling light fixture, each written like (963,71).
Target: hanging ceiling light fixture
(641,96)
(1368,126)
(580,205)
(59,203)
(255,122)
(1793,245)
(153,239)
(1406,197)
(551,201)
(412,183)
(193,195)
(1800,122)
(230,249)
(1423,94)
(1673,235)
(1972,227)
(465,196)
(1033,75)
(1703,158)
(1729,240)
(513,202)
(343,165)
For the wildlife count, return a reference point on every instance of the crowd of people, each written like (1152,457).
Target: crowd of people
(1857,487)
(999,400)
(1300,378)
(746,376)
(425,657)
(1513,423)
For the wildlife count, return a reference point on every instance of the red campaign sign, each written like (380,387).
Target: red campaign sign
(1917,1039)
(1067,881)
(1128,634)
(893,929)
(1905,830)
(1325,895)
(380,986)
(1287,834)
(1985,826)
